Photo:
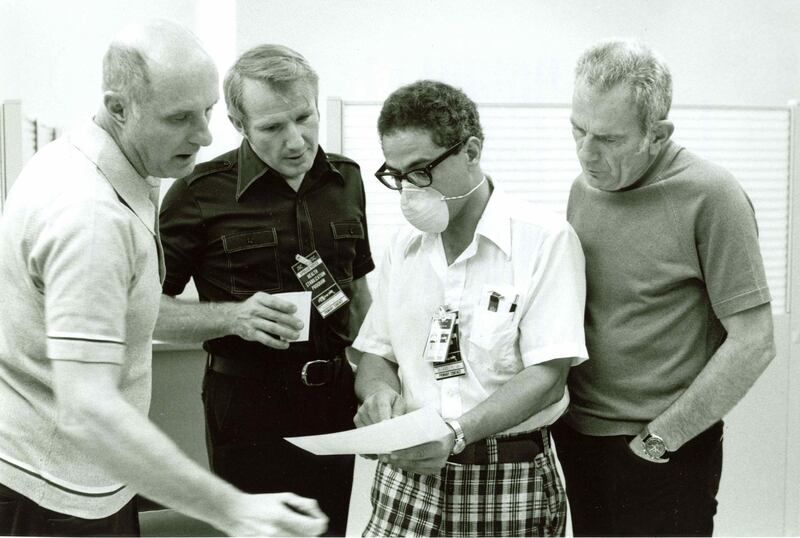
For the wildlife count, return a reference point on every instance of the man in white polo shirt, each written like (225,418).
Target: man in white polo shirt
(478,312)
(80,281)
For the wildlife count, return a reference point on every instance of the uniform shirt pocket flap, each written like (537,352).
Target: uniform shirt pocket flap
(351,229)
(247,240)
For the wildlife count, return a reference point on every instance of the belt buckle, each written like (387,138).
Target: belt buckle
(304,373)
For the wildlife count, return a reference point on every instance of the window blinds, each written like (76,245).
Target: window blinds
(529,152)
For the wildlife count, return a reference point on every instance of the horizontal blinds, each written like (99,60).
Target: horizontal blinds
(529,152)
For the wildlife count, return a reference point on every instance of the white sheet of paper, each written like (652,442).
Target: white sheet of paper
(411,429)
(302,300)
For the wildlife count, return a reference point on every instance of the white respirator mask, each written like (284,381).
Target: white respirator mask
(426,209)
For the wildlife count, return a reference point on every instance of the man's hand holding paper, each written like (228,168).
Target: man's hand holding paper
(381,405)
(427,458)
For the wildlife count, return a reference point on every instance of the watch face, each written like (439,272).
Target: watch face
(654,446)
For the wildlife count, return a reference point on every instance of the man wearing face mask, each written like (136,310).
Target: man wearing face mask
(500,285)
(244,226)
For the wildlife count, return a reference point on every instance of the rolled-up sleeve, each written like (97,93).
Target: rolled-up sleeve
(552,324)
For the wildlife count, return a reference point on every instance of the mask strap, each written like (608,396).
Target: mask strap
(473,189)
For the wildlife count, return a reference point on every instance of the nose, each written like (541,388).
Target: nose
(294,137)
(587,150)
(201,135)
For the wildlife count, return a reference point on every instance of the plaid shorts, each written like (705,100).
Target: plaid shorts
(499,499)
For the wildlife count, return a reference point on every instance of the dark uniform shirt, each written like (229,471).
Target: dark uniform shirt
(235,226)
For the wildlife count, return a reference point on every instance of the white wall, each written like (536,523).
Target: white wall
(731,52)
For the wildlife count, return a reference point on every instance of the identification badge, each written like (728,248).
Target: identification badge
(452,366)
(326,295)
(442,347)
(441,329)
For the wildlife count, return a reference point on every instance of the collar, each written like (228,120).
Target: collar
(251,168)
(494,224)
(98,146)
(652,174)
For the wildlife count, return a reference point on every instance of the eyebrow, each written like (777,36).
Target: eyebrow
(419,163)
(597,135)
(189,110)
(279,118)
(267,123)
(414,165)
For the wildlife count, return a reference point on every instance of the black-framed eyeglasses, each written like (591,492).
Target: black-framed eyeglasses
(419,177)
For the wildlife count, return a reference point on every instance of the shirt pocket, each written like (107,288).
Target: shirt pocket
(493,340)
(345,235)
(253,261)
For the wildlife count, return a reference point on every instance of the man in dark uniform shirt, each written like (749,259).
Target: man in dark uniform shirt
(238,225)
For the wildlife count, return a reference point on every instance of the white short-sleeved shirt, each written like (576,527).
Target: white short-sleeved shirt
(79,280)
(518,249)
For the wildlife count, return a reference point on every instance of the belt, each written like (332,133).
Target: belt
(311,373)
(520,448)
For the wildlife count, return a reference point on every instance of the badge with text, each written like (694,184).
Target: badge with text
(441,347)
(313,274)
(452,366)
(442,324)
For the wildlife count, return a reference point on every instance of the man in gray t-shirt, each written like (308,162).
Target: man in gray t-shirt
(678,322)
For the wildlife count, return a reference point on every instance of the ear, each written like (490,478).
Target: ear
(117,106)
(238,125)
(661,132)
(474,148)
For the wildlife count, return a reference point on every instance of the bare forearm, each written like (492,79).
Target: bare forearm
(187,322)
(723,382)
(530,391)
(375,373)
(126,444)
(359,305)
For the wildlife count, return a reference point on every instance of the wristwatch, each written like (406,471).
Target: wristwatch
(654,447)
(461,441)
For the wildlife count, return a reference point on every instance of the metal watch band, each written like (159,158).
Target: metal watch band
(461,441)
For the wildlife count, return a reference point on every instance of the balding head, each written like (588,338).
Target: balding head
(159,88)
(140,50)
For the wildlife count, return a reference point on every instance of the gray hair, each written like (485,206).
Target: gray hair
(276,65)
(125,71)
(617,61)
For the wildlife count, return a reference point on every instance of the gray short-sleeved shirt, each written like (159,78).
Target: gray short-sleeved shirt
(665,261)
(79,280)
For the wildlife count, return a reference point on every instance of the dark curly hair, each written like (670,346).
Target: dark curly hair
(442,110)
